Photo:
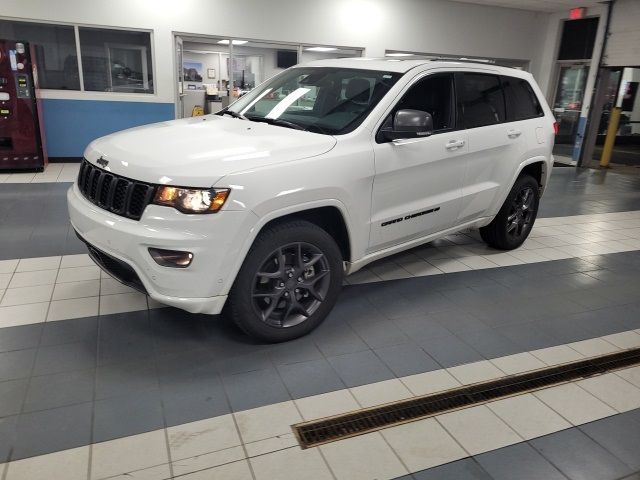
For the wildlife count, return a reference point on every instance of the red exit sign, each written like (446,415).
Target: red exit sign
(577,13)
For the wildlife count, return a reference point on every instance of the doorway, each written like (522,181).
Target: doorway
(572,80)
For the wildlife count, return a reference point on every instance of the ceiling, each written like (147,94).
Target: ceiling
(537,5)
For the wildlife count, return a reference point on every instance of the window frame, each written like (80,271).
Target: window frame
(459,85)
(379,137)
(82,92)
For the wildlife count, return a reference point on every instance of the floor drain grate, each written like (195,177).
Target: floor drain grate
(317,432)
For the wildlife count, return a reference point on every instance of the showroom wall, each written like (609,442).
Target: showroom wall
(74,118)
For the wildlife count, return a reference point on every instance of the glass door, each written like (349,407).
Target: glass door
(179,77)
(568,105)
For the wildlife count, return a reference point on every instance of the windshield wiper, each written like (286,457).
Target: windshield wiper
(233,114)
(276,121)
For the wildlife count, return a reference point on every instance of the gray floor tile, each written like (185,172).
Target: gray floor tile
(125,379)
(57,390)
(465,469)
(120,417)
(579,457)
(12,394)
(254,389)
(450,351)
(70,331)
(20,338)
(7,436)
(52,430)
(528,336)
(519,460)
(421,327)
(194,402)
(125,337)
(406,359)
(16,364)
(490,343)
(360,368)
(381,334)
(620,435)
(338,341)
(310,378)
(65,358)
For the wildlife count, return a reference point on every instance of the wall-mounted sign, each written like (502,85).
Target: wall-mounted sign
(577,13)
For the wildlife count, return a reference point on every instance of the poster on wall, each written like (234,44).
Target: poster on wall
(192,71)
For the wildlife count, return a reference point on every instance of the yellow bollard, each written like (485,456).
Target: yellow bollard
(609,142)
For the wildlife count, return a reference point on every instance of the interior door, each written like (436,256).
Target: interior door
(418,182)
(179,77)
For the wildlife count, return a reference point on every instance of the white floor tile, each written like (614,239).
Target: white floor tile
(557,355)
(268,421)
(528,416)
(38,263)
(111,286)
(363,458)
(420,268)
(231,471)
(272,444)
(87,288)
(478,429)
(380,392)
(126,455)
(78,274)
(25,295)
(430,382)
(624,339)
(30,279)
(478,262)
(503,259)
(23,314)
(326,404)
(388,270)
(70,464)
(476,372)
(207,461)
(73,308)
(80,260)
(5,278)
(631,375)
(593,347)
(574,403)
(291,464)
(449,265)
(203,436)
(518,363)
(122,302)
(613,390)
(20,178)
(8,266)
(363,276)
(423,444)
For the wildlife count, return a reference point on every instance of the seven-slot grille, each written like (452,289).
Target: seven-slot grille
(117,194)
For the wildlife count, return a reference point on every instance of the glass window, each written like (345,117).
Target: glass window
(320,99)
(54,48)
(481,100)
(433,94)
(116,60)
(522,102)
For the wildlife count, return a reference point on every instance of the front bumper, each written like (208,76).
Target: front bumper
(120,246)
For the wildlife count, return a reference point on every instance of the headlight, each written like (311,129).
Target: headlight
(192,200)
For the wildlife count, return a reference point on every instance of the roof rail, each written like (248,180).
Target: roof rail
(464,59)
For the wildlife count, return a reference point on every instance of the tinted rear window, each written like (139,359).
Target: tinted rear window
(522,102)
(481,100)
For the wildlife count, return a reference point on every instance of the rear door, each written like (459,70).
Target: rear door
(495,146)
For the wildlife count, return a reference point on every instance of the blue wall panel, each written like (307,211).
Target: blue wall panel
(70,125)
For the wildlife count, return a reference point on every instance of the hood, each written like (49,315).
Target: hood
(199,151)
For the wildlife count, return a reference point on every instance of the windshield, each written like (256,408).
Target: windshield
(325,100)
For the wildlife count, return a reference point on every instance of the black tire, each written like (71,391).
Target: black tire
(267,302)
(511,227)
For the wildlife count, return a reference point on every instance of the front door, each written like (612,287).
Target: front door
(418,182)
(568,105)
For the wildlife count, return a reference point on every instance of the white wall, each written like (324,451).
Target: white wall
(375,25)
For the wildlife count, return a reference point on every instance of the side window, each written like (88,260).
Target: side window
(522,102)
(481,100)
(433,94)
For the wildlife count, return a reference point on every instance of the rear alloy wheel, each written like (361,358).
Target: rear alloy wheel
(288,283)
(511,227)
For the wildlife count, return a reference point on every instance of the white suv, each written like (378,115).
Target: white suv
(264,207)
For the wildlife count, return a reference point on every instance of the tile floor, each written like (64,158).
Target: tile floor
(97,382)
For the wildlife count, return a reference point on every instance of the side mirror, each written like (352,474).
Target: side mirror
(409,124)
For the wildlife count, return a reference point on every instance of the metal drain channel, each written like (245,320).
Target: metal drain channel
(331,429)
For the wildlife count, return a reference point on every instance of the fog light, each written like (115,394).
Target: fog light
(171,258)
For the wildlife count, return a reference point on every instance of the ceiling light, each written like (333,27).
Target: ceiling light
(320,49)
(398,54)
(235,42)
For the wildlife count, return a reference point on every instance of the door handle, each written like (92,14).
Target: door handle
(513,133)
(454,144)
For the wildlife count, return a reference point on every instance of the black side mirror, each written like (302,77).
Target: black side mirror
(409,124)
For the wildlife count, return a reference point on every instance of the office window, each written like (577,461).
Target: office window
(116,60)
(481,100)
(522,102)
(54,51)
